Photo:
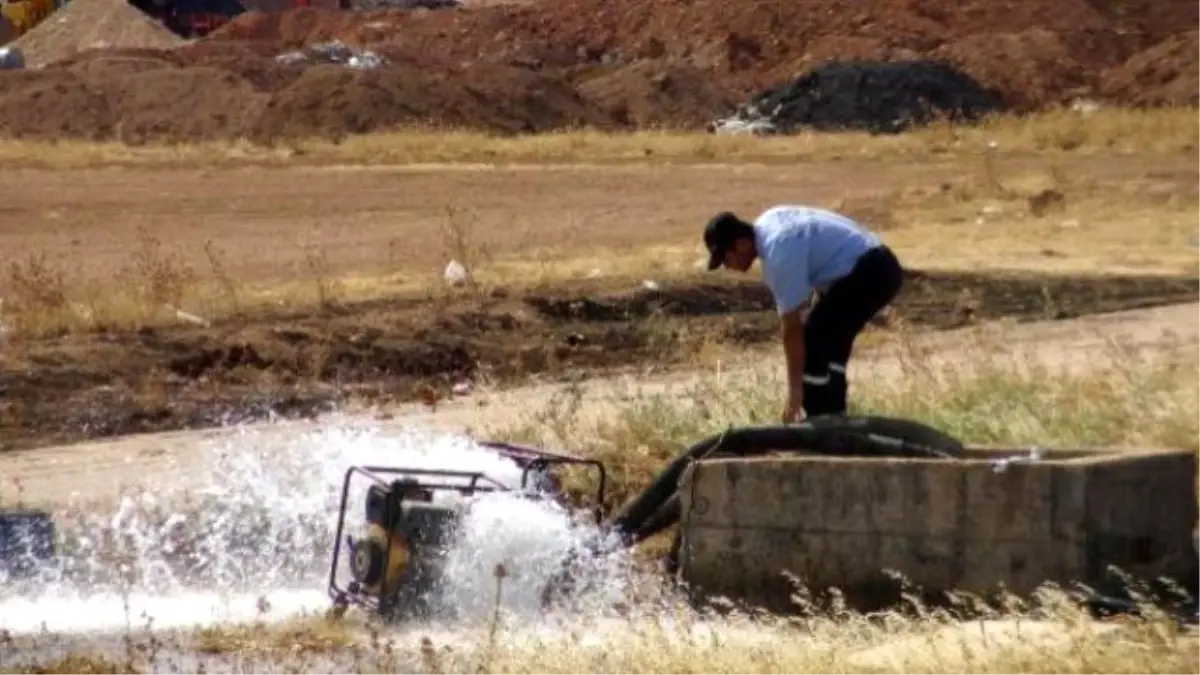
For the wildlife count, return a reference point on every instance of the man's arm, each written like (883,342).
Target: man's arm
(792,333)
(785,270)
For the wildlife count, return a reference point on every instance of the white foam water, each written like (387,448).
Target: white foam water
(258,523)
(62,610)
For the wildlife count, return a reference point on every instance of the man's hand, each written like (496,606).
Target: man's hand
(792,332)
(793,411)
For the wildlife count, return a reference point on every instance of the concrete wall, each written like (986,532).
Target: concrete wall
(960,524)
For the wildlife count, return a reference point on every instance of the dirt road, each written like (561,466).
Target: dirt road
(98,470)
(272,225)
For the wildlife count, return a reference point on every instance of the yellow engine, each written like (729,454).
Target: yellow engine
(23,15)
(377,561)
(395,562)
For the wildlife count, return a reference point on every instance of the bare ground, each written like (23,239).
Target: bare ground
(320,286)
(323,283)
(100,469)
(271,225)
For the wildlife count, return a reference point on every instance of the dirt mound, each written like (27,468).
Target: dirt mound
(85,24)
(180,104)
(329,100)
(1031,68)
(873,96)
(292,29)
(654,94)
(749,49)
(95,63)
(50,105)
(1165,74)
(133,104)
(252,61)
(605,63)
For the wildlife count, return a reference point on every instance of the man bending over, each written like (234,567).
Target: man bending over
(803,249)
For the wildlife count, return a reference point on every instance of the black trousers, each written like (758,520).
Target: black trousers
(835,321)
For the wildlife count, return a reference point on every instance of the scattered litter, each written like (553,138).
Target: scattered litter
(456,273)
(11,58)
(991,209)
(1085,107)
(82,311)
(334,51)
(1035,454)
(757,127)
(874,96)
(650,285)
(191,318)
(461,389)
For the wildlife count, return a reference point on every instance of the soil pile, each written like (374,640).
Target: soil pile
(183,104)
(1028,68)
(750,47)
(204,93)
(50,105)
(333,100)
(86,24)
(129,99)
(252,61)
(872,96)
(1165,74)
(606,63)
(653,94)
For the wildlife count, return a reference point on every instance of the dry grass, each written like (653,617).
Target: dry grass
(297,636)
(1053,636)
(1110,130)
(1123,396)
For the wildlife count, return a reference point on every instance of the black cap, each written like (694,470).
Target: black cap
(722,230)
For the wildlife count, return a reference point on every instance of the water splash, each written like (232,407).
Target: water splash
(259,518)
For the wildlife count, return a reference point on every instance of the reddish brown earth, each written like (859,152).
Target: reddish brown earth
(1164,74)
(605,63)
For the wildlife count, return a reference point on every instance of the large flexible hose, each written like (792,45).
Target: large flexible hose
(657,507)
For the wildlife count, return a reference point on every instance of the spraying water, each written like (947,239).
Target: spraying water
(249,536)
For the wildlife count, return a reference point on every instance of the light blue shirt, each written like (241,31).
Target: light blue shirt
(803,248)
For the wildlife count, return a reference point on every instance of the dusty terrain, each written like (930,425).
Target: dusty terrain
(323,285)
(49,476)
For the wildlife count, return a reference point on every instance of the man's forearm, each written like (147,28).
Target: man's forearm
(793,349)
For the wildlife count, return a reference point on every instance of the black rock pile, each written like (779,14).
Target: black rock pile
(875,96)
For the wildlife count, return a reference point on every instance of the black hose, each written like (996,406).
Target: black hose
(867,436)
(658,506)
(666,516)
